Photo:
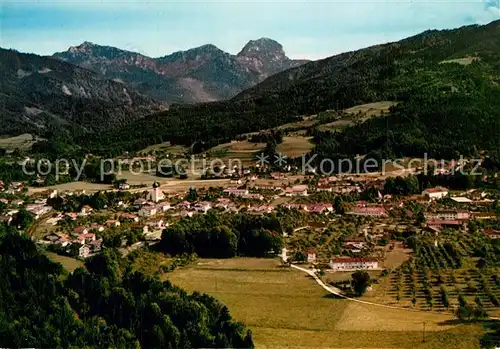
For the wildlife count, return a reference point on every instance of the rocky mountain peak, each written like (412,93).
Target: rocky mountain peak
(265,57)
(263,47)
(200,74)
(85,46)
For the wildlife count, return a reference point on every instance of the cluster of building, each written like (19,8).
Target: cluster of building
(37,209)
(13,187)
(146,212)
(85,241)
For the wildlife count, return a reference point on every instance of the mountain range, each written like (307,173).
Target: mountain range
(37,93)
(446,83)
(201,74)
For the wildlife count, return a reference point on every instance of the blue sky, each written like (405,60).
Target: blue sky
(307,29)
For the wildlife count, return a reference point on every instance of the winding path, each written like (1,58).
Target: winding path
(339,293)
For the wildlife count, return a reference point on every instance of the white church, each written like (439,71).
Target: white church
(156,195)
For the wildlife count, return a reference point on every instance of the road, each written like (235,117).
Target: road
(31,231)
(334,290)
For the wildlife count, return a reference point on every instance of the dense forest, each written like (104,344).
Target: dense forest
(104,305)
(39,91)
(458,116)
(224,236)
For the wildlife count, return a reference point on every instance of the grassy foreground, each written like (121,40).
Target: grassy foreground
(285,308)
(68,263)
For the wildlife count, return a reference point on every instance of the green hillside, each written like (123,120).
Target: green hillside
(440,99)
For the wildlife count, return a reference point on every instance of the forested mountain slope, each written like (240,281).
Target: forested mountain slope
(104,305)
(365,73)
(430,75)
(38,93)
(435,71)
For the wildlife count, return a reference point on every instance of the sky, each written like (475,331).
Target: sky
(307,29)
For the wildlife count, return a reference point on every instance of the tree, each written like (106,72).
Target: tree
(225,242)
(23,219)
(479,313)
(338,205)
(360,281)
(464,312)
(105,305)
(420,218)
(299,256)
(481,263)
(192,195)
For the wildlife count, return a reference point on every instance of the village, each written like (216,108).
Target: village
(76,224)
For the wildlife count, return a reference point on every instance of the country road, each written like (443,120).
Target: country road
(339,293)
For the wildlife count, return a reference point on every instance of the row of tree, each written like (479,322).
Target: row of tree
(224,236)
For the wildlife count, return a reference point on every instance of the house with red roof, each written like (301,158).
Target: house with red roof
(262,209)
(353,263)
(96,245)
(296,190)
(163,206)
(320,208)
(369,211)
(83,239)
(80,230)
(96,227)
(6,219)
(156,224)
(147,211)
(129,217)
(492,234)
(311,256)
(203,206)
(278,175)
(436,193)
(252,196)
(140,202)
(112,223)
(448,215)
(437,224)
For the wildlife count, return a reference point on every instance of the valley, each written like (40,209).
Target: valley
(285,308)
(204,199)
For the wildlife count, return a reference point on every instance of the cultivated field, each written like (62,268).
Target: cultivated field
(22,142)
(359,113)
(441,278)
(68,263)
(164,147)
(88,187)
(286,308)
(462,61)
(246,151)
(371,109)
(295,146)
